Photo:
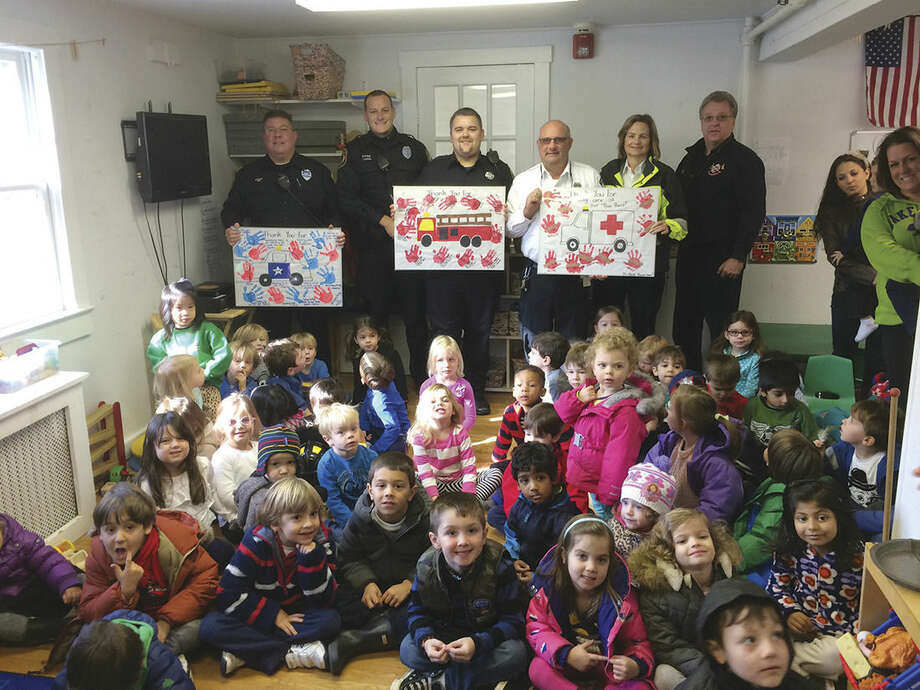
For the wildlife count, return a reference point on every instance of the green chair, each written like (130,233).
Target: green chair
(829,373)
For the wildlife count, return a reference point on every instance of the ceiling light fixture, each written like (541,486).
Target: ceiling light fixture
(384,5)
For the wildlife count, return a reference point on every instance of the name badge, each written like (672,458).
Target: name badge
(490,175)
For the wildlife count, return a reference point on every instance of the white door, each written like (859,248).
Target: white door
(501,94)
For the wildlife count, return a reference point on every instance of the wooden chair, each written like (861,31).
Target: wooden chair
(106,439)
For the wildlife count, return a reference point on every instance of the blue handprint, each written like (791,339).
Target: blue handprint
(254,238)
(294,294)
(239,250)
(327,275)
(318,239)
(252,294)
(311,261)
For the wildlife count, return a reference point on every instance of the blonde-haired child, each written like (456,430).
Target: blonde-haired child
(698,453)
(255,335)
(313,369)
(238,378)
(648,347)
(207,438)
(445,366)
(179,376)
(605,417)
(237,457)
(674,568)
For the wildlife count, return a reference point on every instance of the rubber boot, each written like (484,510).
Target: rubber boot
(376,637)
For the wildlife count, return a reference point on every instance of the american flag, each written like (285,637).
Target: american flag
(893,73)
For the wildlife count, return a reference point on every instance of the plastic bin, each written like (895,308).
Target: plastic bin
(906,680)
(18,371)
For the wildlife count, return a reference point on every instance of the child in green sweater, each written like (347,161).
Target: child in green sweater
(776,407)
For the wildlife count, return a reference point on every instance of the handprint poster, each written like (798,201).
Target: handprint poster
(449,228)
(287,267)
(598,231)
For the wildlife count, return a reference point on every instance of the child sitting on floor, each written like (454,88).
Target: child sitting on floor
(255,335)
(445,366)
(548,352)
(668,362)
(238,378)
(237,458)
(383,416)
(528,391)
(367,336)
(279,449)
(313,369)
(648,348)
(285,359)
(722,376)
(647,494)
(576,366)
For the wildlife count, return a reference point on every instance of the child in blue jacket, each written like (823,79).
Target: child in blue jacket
(383,415)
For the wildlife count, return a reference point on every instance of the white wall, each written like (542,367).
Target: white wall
(114,271)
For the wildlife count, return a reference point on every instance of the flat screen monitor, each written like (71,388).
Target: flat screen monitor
(172,156)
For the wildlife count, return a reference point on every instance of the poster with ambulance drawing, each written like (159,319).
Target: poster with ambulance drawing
(598,231)
(449,228)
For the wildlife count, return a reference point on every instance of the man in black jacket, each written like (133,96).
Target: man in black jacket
(725,190)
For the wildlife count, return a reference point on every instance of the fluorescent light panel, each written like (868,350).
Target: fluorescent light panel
(384,5)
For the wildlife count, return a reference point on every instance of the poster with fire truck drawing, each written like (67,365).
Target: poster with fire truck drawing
(452,228)
(598,231)
(287,267)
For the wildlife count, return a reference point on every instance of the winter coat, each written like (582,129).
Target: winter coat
(25,555)
(248,498)
(161,669)
(191,574)
(711,473)
(758,524)
(607,436)
(619,623)
(368,553)
(532,528)
(670,601)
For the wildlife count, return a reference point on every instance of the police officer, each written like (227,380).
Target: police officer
(462,303)
(374,163)
(283,190)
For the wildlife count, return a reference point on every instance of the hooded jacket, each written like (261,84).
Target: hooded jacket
(532,528)
(711,473)
(619,623)
(190,573)
(369,553)
(670,600)
(758,524)
(607,435)
(25,555)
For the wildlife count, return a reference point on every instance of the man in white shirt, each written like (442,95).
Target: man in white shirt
(548,302)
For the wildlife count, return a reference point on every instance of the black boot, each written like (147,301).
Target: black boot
(376,637)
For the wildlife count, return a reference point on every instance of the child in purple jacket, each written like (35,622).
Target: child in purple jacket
(37,586)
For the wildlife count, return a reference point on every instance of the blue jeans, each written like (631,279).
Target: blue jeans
(508,660)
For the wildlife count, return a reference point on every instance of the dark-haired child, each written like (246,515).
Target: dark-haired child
(121,651)
(576,366)
(279,448)
(285,360)
(816,576)
(383,415)
(368,336)
(775,406)
(541,510)
(548,352)
(37,586)
(529,382)
(382,542)
(238,378)
(722,375)
(746,642)
(275,599)
(647,494)
(466,607)
(741,340)
(150,561)
(790,457)
(669,362)
(858,461)
(313,369)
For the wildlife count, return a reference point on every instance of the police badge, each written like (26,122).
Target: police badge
(306,174)
(407,152)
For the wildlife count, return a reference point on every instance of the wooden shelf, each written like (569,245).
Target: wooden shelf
(879,594)
(257,100)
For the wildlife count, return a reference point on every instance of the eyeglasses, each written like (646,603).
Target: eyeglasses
(242,421)
(739,334)
(546,141)
(278,130)
(716,118)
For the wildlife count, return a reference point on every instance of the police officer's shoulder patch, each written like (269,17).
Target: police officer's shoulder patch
(306,174)
(407,152)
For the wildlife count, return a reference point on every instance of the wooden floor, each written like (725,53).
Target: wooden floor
(365,673)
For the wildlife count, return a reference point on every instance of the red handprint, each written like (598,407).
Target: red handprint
(441,255)
(246,273)
(258,252)
(634,260)
(413,254)
(495,203)
(428,200)
(549,195)
(565,209)
(470,202)
(448,202)
(572,264)
(331,252)
(489,259)
(645,221)
(296,250)
(586,254)
(603,257)
(323,294)
(497,234)
(466,258)
(274,294)
(645,199)
(404,203)
(549,261)
(550,225)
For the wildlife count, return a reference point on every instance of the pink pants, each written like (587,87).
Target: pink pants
(545,677)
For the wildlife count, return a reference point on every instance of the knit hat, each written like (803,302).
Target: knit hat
(647,485)
(686,376)
(276,439)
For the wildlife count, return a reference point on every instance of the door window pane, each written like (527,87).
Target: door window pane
(505,149)
(476,97)
(445,105)
(504,100)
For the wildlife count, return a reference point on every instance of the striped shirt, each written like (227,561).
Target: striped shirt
(445,461)
(511,429)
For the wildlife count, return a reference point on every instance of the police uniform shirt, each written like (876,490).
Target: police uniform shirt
(373,165)
(299,193)
(446,171)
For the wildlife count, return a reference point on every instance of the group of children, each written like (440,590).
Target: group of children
(660,525)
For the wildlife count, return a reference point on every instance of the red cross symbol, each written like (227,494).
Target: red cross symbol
(611,225)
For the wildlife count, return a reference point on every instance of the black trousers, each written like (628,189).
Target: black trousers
(846,310)
(898,348)
(642,294)
(552,303)
(702,295)
(462,305)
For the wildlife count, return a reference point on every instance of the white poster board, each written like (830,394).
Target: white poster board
(287,267)
(449,228)
(598,231)
(906,523)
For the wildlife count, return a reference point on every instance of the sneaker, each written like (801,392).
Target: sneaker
(309,655)
(228,663)
(419,680)
(867,327)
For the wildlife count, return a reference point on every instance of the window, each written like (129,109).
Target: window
(35,275)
